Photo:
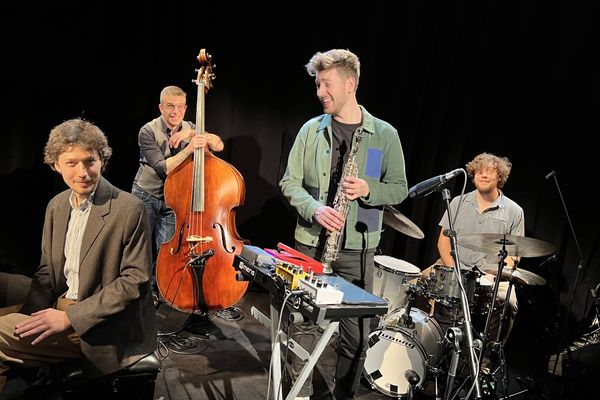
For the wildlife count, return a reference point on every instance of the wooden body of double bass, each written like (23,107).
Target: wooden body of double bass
(212,284)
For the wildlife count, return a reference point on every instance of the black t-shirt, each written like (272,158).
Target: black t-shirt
(340,151)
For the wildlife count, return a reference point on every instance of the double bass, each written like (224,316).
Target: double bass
(194,268)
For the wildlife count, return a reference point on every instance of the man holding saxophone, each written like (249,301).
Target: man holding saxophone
(344,166)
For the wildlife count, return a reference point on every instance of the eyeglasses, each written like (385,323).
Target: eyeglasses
(171,107)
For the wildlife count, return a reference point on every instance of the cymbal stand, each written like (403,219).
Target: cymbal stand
(504,315)
(484,337)
(498,345)
(467,325)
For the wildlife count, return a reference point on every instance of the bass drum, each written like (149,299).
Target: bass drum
(394,349)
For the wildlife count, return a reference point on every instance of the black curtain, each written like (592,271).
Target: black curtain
(519,79)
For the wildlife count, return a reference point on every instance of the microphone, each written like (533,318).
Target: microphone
(426,187)
(550,175)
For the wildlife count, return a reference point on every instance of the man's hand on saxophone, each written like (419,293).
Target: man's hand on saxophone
(355,187)
(329,218)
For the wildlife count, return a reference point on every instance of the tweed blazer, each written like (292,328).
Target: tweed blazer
(114,314)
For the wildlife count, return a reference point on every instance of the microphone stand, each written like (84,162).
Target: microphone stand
(467,326)
(580,270)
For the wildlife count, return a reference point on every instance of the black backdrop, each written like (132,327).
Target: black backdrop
(456,78)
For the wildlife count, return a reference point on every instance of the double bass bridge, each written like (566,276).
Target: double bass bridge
(195,240)
(199,240)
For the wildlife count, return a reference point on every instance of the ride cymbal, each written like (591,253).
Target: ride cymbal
(395,219)
(520,246)
(521,276)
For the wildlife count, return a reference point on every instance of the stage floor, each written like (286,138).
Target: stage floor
(224,357)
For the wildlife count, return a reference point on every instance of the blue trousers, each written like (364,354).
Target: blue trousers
(162,222)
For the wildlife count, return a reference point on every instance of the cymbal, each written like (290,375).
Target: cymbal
(521,276)
(401,223)
(520,246)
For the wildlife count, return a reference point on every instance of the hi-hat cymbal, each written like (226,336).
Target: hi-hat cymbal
(401,223)
(521,276)
(492,243)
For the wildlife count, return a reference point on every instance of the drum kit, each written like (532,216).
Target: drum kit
(408,349)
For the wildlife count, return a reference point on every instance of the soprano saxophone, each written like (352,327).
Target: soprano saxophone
(342,205)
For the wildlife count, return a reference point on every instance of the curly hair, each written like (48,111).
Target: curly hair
(502,165)
(76,132)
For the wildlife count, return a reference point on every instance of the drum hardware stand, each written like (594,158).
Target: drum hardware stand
(413,379)
(499,344)
(523,391)
(467,325)
(519,393)
(496,347)
(436,372)
(501,257)
(406,320)
(454,336)
(580,271)
(504,315)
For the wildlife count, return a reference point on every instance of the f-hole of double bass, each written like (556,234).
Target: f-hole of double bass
(226,247)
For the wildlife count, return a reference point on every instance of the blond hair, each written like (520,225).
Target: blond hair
(344,61)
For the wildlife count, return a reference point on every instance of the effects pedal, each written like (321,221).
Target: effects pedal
(320,291)
(291,274)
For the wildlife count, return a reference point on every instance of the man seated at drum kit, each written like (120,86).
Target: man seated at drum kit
(408,348)
(485,210)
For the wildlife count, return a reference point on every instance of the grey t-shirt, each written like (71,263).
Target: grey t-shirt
(504,216)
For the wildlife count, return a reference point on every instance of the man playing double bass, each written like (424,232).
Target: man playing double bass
(165,142)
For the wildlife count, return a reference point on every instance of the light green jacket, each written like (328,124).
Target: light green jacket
(380,162)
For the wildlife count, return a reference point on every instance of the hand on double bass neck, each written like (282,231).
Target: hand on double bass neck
(213,141)
(199,142)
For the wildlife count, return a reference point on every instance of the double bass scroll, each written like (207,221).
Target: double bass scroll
(195,267)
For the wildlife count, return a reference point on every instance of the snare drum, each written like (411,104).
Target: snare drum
(391,279)
(443,286)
